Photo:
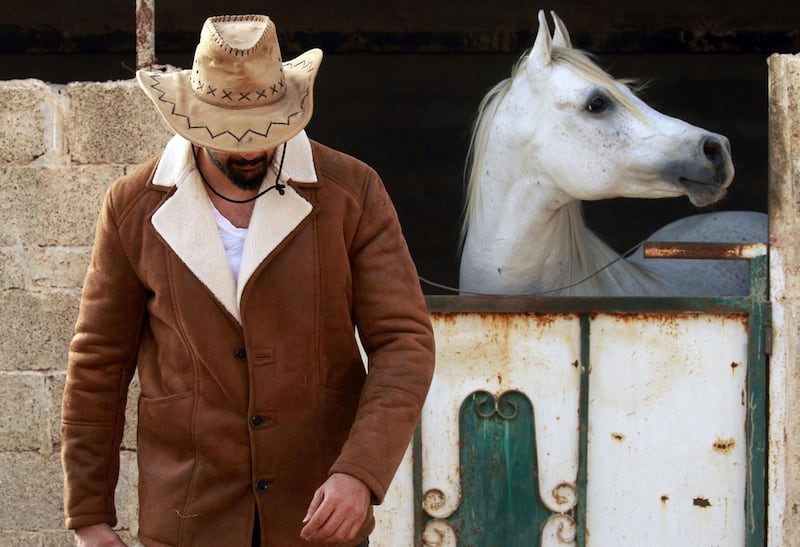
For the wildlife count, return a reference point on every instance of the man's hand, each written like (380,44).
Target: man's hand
(97,535)
(337,511)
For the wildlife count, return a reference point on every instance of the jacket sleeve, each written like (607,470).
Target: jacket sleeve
(395,329)
(102,360)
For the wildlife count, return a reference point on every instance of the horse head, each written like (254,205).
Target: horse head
(558,131)
(560,105)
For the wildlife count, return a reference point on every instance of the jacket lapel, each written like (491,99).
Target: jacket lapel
(274,217)
(186,221)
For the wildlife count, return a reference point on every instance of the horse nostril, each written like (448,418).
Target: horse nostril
(714,150)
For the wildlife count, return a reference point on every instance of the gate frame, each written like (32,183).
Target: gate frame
(756,306)
(784,259)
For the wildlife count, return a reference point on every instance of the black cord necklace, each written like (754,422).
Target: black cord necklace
(280,187)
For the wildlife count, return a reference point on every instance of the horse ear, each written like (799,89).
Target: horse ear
(561,35)
(542,47)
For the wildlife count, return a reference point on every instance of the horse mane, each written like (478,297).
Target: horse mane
(580,61)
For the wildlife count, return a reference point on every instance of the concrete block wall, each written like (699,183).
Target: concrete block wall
(60,148)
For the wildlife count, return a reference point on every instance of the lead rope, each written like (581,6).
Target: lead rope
(541,293)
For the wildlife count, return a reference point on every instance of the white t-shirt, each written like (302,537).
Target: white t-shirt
(232,239)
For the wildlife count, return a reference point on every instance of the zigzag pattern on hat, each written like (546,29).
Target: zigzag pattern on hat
(301,64)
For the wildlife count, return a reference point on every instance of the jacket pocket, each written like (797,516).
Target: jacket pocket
(166,463)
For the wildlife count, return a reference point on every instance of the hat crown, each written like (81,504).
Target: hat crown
(237,63)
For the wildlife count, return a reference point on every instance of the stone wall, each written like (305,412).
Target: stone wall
(60,148)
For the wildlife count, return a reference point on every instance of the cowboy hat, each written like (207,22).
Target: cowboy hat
(239,96)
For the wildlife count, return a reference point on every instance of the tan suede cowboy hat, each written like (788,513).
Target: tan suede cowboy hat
(239,95)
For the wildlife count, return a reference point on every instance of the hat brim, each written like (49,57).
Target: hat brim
(235,130)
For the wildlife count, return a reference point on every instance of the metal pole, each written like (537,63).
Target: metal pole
(145,33)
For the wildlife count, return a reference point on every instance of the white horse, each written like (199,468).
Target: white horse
(561,130)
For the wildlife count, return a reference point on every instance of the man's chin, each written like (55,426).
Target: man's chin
(249,181)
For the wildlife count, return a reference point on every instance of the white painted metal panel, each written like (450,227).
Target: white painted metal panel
(394,518)
(667,438)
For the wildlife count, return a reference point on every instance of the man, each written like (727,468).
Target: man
(232,272)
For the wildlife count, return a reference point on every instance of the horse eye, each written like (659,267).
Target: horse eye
(598,103)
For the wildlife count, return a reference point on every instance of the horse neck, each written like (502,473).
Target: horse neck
(519,246)
(588,266)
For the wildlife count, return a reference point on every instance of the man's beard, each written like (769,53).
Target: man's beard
(248,179)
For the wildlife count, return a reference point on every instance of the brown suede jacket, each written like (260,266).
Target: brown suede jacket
(251,393)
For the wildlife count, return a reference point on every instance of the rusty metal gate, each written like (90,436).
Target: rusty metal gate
(593,421)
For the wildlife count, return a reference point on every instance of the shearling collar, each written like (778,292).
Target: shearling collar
(186,222)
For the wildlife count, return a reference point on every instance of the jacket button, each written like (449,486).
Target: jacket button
(258,420)
(240,354)
(262,485)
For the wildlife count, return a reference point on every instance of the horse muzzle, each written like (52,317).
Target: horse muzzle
(706,177)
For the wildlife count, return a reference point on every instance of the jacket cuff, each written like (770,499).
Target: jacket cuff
(378,492)
(73,523)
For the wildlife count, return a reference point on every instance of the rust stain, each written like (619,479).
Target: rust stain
(734,365)
(724,446)
(575,363)
(618,437)
(701,502)
(145,33)
(723,251)
(673,320)
(434,499)
(548,319)
(664,499)
(501,318)
(560,498)
(565,493)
